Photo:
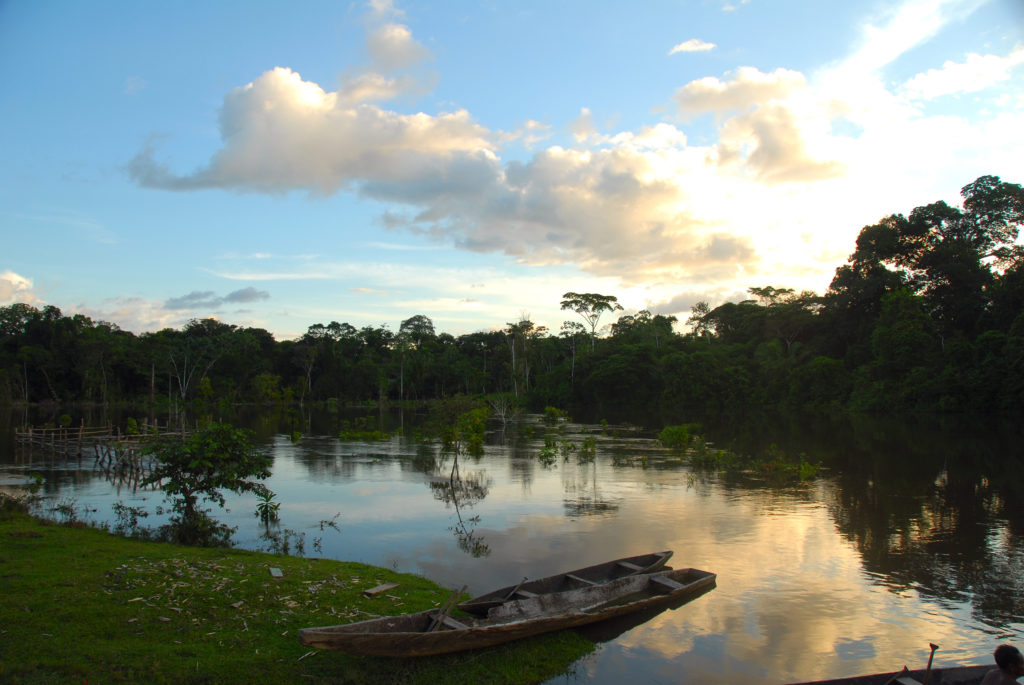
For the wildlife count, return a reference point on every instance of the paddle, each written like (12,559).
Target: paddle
(928,673)
(514,590)
(445,609)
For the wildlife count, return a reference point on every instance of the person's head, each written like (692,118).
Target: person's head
(1008,656)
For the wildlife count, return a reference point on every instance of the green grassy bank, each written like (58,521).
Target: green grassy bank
(80,605)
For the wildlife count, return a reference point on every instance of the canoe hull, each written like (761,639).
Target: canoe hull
(954,675)
(407,635)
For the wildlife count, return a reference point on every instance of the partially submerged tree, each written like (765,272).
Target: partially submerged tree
(197,467)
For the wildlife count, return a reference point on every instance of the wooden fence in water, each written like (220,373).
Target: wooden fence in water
(119,456)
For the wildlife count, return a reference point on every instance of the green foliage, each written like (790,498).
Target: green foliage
(679,436)
(587,450)
(361,431)
(197,468)
(549,452)
(465,434)
(808,471)
(554,415)
(926,316)
(267,509)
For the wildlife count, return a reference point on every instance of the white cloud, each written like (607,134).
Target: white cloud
(647,208)
(392,47)
(583,126)
(281,133)
(775,121)
(692,45)
(975,73)
(16,288)
(384,9)
(133,314)
(749,87)
(900,28)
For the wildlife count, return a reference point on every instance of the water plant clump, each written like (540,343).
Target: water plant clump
(548,454)
(360,430)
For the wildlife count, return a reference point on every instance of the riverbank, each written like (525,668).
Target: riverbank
(83,605)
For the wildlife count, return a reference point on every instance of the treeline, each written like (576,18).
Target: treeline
(926,316)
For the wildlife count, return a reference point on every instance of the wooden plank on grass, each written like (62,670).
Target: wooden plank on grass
(374,591)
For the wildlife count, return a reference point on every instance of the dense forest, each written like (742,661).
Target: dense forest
(926,316)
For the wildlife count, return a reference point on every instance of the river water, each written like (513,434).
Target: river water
(908,536)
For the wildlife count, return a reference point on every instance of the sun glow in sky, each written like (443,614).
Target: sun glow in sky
(279,165)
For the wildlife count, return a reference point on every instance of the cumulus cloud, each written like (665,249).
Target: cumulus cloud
(392,47)
(281,133)
(692,45)
(748,87)
(770,120)
(15,288)
(644,206)
(975,73)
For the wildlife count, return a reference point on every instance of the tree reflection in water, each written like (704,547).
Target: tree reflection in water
(461,491)
(936,509)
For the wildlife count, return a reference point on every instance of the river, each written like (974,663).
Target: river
(909,535)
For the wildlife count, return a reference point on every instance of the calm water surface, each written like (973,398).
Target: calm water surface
(900,543)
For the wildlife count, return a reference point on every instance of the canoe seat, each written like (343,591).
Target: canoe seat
(579,580)
(525,594)
(452,623)
(666,584)
(631,566)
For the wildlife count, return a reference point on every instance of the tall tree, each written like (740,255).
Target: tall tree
(590,307)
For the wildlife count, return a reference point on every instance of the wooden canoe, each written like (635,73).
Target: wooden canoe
(572,580)
(955,675)
(410,634)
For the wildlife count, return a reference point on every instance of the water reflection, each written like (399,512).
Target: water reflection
(909,537)
(464,491)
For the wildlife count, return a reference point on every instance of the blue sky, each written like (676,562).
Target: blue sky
(284,164)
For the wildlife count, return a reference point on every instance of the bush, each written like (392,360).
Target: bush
(678,436)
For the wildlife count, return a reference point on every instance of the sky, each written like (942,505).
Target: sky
(279,165)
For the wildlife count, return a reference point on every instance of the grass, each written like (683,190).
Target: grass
(81,605)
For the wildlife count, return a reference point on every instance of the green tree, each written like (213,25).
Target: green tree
(590,307)
(197,467)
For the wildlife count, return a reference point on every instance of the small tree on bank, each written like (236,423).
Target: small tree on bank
(197,468)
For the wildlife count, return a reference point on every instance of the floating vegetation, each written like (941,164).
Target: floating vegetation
(588,450)
(549,452)
(364,435)
(679,436)
(554,415)
(774,464)
(360,429)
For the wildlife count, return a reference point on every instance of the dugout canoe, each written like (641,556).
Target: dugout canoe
(597,574)
(952,675)
(433,632)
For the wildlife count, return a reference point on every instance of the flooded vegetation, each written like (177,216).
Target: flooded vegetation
(902,535)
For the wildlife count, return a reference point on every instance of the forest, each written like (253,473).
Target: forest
(926,316)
